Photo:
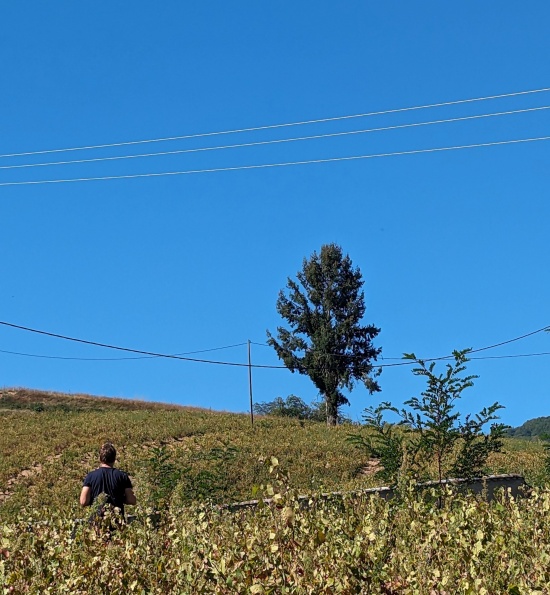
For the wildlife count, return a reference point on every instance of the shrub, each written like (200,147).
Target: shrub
(435,434)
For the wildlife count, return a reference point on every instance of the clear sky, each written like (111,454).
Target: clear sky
(453,245)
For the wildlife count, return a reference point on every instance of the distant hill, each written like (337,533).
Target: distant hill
(36,400)
(533,427)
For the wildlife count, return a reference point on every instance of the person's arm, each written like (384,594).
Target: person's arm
(85,496)
(129,496)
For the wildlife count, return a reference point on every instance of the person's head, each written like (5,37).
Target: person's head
(107,454)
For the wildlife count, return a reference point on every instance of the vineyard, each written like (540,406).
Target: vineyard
(186,462)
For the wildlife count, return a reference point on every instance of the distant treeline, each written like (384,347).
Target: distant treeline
(539,426)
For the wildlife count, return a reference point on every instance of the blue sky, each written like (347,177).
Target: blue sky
(452,245)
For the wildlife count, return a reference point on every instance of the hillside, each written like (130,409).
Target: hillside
(184,461)
(50,441)
(539,426)
(36,400)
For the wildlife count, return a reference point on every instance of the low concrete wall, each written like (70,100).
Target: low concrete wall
(485,486)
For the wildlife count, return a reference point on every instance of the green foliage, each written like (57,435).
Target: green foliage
(163,476)
(210,482)
(435,433)
(319,413)
(326,341)
(545,439)
(384,442)
(350,545)
(475,446)
(294,406)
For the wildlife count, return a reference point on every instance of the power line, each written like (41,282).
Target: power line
(511,356)
(84,359)
(402,363)
(275,141)
(179,357)
(285,125)
(540,330)
(478,358)
(129,350)
(433,359)
(507,342)
(116,359)
(270,165)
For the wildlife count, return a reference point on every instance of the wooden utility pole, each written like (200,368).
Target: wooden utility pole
(250,385)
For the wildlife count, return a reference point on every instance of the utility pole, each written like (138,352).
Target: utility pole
(250,385)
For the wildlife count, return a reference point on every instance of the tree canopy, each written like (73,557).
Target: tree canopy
(325,340)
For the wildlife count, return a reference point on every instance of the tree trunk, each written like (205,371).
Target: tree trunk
(332,410)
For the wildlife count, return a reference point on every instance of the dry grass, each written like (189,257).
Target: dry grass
(29,399)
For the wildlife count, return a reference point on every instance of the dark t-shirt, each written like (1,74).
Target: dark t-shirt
(109,481)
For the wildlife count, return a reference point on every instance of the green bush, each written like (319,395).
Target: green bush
(434,433)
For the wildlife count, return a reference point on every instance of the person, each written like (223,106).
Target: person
(113,483)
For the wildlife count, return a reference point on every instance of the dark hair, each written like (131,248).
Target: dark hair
(107,454)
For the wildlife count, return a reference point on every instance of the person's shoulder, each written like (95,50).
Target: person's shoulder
(124,478)
(120,472)
(96,471)
(90,476)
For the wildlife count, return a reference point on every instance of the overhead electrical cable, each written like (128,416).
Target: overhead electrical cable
(85,359)
(284,125)
(483,357)
(487,347)
(115,359)
(432,359)
(179,357)
(540,330)
(111,359)
(275,141)
(129,350)
(270,165)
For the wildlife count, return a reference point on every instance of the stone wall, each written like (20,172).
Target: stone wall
(485,486)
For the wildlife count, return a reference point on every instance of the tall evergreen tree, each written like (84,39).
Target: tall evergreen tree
(326,341)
